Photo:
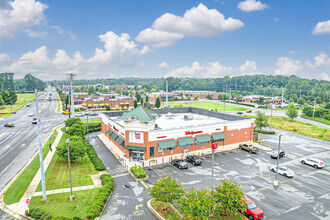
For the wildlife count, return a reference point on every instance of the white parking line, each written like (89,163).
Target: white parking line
(23,145)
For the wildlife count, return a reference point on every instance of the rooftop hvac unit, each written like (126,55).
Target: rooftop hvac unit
(187,117)
(156,127)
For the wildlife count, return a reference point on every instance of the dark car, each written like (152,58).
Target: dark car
(248,111)
(181,164)
(240,113)
(249,147)
(194,160)
(275,153)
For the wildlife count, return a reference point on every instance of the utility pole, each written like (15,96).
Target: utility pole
(271,116)
(71,76)
(282,98)
(166,93)
(314,107)
(43,182)
(72,196)
(278,157)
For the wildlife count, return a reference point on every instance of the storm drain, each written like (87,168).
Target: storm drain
(126,186)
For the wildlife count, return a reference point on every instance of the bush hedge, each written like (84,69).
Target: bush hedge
(138,172)
(94,126)
(264,132)
(96,208)
(97,162)
(42,215)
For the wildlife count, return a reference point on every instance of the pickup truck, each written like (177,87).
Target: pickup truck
(34,121)
(248,147)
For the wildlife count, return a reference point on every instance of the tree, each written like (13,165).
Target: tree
(12,97)
(77,129)
(147,98)
(189,97)
(135,104)
(196,97)
(1,101)
(76,89)
(261,120)
(141,101)
(261,100)
(138,96)
(157,104)
(196,203)
(301,101)
(71,121)
(308,110)
(77,147)
(327,106)
(166,190)
(209,96)
(91,90)
(291,112)
(229,198)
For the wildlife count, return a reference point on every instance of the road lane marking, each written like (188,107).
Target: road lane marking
(144,184)
(125,174)
(23,145)
(3,134)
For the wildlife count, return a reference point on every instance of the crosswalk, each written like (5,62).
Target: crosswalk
(117,171)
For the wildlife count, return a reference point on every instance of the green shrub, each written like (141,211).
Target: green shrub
(102,197)
(264,132)
(97,162)
(138,172)
(94,126)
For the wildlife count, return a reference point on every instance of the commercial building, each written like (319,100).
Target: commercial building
(254,99)
(102,102)
(148,137)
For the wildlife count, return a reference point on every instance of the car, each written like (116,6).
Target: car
(194,160)
(313,162)
(283,171)
(248,147)
(181,164)
(9,125)
(49,99)
(79,115)
(239,113)
(28,105)
(253,212)
(275,153)
(248,111)
(92,113)
(86,112)
(31,114)
(34,121)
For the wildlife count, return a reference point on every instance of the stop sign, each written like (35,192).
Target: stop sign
(27,201)
(214,146)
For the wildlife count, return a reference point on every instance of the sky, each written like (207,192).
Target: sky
(157,38)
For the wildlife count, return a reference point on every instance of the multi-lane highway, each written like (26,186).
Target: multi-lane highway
(19,143)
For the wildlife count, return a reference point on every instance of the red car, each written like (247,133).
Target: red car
(253,212)
(9,125)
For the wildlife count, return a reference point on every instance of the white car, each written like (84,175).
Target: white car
(31,114)
(283,171)
(312,162)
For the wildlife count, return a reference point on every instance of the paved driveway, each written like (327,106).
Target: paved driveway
(306,196)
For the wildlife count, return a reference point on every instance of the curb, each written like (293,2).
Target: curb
(153,210)
(145,178)
(2,193)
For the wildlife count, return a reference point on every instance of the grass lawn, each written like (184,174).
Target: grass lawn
(60,204)
(298,127)
(172,215)
(91,121)
(22,100)
(57,174)
(208,105)
(25,178)
(321,120)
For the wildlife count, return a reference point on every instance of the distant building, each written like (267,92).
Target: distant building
(162,96)
(253,99)
(99,103)
(201,94)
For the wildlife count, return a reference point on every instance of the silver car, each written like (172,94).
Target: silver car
(283,171)
(313,162)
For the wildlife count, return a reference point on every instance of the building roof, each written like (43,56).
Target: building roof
(141,114)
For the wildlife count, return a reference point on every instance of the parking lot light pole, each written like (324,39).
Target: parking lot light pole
(72,196)
(278,157)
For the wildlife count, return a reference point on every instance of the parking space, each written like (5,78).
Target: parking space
(306,196)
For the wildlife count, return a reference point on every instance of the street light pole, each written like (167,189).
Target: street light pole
(72,196)
(87,127)
(278,157)
(271,116)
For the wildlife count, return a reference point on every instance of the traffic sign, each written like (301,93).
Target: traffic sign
(27,201)
(214,146)
(185,153)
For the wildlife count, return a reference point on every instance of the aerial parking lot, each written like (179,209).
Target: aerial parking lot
(305,196)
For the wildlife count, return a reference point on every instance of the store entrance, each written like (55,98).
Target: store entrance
(136,155)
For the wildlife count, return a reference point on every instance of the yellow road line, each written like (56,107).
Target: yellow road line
(155,171)
(144,184)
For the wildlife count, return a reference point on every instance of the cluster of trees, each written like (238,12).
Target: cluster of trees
(319,111)
(7,91)
(29,83)
(267,85)
(226,200)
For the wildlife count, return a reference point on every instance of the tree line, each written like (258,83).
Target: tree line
(266,85)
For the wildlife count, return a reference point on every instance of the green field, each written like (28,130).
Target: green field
(208,105)
(60,204)
(321,120)
(16,190)
(22,100)
(92,121)
(298,127)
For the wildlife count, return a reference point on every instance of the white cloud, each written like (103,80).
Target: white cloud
(142,64)
(156,38)
(116,47)
(63,32)
(40,34)
(322,28)
(4,58)
(20,16)
(292,52)
(320,60)
(276,19)
(198,21)
(211,69)
(249,67)
(287,66)
(163,65)
(325,76)
(251,5)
